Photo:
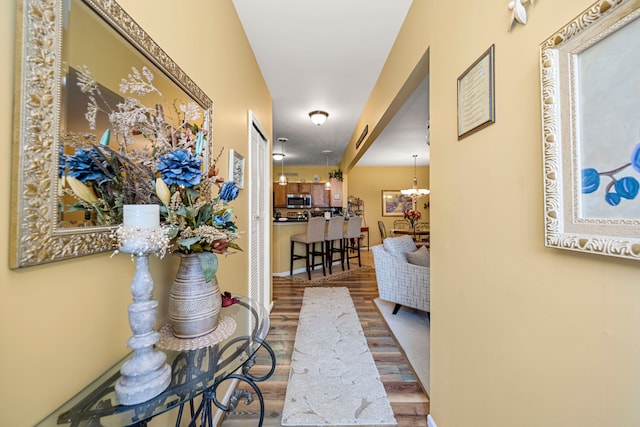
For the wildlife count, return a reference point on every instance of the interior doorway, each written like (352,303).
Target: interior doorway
(259,191)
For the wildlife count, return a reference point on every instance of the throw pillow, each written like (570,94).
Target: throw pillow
(399,246)
(420,257)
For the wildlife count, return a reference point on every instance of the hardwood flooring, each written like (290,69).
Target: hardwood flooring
(409,402)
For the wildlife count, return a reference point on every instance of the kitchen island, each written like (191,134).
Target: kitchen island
(281,246)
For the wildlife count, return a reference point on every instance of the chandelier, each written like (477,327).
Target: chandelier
(414,192)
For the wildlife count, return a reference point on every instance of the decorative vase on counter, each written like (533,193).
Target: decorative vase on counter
(194,303)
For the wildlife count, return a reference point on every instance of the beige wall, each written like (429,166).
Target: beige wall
(299,173)
(522,335)
(62,324)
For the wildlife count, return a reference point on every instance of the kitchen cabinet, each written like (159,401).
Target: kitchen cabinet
(279,195)
(336,190)
(299,188)
(320,197)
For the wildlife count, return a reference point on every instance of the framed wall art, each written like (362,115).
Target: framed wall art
(476,95)
(591,131)
(236,168)
(394,203)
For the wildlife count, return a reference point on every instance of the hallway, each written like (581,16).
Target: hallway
(409,402)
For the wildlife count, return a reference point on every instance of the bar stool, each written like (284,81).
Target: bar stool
(353,235)
(335,231)
(314,234)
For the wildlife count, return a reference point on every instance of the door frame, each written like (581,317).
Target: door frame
(265,217)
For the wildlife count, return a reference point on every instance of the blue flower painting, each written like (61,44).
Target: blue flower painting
(618,184)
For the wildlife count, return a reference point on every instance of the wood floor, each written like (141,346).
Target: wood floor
(409,402)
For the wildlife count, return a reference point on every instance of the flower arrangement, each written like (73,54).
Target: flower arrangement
(165,170)
(105,175)
(412,215)
(197,220)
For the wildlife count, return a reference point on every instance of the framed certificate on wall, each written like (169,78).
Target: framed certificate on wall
(476,95)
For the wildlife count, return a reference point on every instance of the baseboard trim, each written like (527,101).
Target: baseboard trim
(286,273)
(430,421)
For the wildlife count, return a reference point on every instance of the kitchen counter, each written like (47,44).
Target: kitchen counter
(278,221)
(281,233)
(281,245)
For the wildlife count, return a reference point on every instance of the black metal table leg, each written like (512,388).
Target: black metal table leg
(209,396)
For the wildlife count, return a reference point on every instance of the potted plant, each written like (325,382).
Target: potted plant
(337,174)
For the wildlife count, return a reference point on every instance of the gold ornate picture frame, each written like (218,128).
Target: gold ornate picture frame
(37,233)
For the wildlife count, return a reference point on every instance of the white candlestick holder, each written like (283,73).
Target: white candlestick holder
(146,374)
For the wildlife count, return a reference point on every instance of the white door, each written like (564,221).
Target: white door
(260,219)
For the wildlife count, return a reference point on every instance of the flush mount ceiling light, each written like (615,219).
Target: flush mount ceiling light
(414,192)
(327,185)
(279,156)
(318,117)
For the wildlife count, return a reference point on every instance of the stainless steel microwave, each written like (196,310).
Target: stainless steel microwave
(299,201)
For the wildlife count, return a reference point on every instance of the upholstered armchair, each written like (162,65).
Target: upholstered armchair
(403,273)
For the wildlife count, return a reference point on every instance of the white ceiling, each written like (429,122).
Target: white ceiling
(327,56)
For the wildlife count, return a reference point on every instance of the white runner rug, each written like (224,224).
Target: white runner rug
(333,378)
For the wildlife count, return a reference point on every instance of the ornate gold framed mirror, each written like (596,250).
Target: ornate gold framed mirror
(55,39)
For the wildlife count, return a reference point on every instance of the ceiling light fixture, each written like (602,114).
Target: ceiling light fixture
(318,117)
(279,156)
(283,179)
(327,185)
(414,192)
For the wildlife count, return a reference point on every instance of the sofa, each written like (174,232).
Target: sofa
(403,273)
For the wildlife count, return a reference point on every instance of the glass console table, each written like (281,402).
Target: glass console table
(194,373)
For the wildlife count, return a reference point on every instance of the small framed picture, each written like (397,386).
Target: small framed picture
(394,203)
(236,168)
(476,95)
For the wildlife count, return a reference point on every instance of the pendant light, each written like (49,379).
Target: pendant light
(327,185)
(279,156)
(283,179)
(414,192)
